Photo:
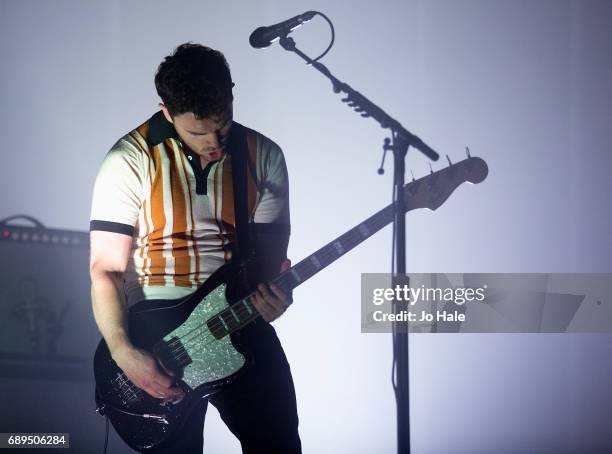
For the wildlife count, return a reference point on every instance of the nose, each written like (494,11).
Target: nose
(216,140)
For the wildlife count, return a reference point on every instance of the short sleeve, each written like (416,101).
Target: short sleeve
(273,202)
(118,190)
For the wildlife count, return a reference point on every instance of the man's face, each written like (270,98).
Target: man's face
(206,137)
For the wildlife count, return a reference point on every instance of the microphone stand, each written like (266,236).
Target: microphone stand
(401,139)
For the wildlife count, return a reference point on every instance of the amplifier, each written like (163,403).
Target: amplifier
(47,328)
(48,336)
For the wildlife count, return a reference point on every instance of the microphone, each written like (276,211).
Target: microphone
(264,36)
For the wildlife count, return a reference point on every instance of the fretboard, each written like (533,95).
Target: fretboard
(243,312)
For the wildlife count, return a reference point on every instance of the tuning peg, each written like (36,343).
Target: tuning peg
(449,161)
(467,152)
(430,169)
(412,173)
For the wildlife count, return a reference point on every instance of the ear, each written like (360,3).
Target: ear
(166,112)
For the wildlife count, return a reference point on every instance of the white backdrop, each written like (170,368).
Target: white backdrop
(527,85)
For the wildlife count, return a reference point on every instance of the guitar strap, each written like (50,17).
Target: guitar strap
(243,252)
(259,248)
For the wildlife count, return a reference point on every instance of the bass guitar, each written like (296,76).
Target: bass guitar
(192,336)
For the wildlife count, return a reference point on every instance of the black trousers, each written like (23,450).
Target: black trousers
(259,407)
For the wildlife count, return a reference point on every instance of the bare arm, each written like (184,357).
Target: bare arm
(109,258)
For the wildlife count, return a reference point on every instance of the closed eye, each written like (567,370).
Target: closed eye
(218,130)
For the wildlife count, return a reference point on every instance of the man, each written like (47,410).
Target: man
(163,221)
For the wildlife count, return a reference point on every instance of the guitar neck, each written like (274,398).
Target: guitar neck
(333,250)
(243,312)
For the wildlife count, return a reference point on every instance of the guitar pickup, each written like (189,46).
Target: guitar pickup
(172,355)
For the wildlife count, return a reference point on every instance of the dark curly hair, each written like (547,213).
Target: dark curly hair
(196,79)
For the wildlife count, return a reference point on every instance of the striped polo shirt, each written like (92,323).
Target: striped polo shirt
(181,216)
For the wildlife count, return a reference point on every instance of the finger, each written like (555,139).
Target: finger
(263,292)
(272,294)
(148,385)
(274,303)
(172,391)
(164,384)
(262,308)
(165,369)
(152,392)
(267,309)
(279,294)
(163,393)
(161,380)
(155,391)
(285,265)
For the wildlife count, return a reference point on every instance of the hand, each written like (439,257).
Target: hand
(270,301)
(142,369)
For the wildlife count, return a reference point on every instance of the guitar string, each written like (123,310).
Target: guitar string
(241,308)
(217,326)
(195,335)
(132,388)
(352,236)
(327,253)
(205,338)
(202,331)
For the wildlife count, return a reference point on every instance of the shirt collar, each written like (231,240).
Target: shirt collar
(160,129)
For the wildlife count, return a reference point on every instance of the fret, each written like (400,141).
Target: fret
(283,282)
(350,241)
(334,250)
(363,228)
(232,318)
(315,261)
(228,318)
(306,269)
(223,324)
(338,245)
(326,256)
(295,274)
(248,307)
(231,309)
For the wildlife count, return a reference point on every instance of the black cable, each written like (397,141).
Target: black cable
(333,37)
(106,437)
(33,220)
